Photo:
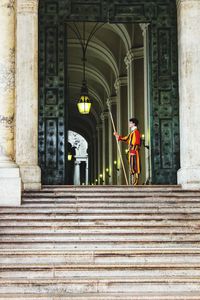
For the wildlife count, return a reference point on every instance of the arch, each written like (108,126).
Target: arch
(94,73)
(102,51)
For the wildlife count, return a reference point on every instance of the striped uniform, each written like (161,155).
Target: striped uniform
(134,141)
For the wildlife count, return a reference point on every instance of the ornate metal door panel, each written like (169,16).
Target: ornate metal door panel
(161,14)
(52,115)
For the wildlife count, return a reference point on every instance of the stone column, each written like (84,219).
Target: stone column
(113,145)
(189,91)
(104,147)
(77,172)
(145,32)
(10,182)
(123,121)
(99,138)
(129,61)
(27,93)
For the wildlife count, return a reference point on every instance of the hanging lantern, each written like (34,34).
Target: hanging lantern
(69,156)
(84,104)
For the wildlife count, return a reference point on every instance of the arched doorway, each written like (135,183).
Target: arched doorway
(163,132)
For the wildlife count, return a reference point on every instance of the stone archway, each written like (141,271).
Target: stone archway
(162,47)
(27,17)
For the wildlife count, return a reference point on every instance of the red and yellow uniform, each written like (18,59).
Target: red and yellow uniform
(134,142)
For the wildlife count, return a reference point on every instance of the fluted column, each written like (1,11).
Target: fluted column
(189,91)
(27,93)
(10,182)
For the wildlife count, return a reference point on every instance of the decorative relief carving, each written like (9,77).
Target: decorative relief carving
(6,120)
(7,73)
(27,6)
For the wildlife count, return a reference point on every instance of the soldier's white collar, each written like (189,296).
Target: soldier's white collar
(133,128)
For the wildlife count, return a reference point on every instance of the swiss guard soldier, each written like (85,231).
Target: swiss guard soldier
(133,140)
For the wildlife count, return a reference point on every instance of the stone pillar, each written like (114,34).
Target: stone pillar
(145,32)
(113,145)
(99,138)
(10,182)
(77,172)
(123,121)
(104,145)
(189,91)
(27,93)
(129,61)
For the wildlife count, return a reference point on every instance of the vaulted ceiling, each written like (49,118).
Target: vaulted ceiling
(105,63)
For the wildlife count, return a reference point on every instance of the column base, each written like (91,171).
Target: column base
(189,178)
(31,177)
(10,186)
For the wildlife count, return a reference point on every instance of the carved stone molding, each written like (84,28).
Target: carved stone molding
(27,6)
(112,100)
(121,81)
(133,54)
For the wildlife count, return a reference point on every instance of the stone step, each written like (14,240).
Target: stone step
(30,271)
(137,256)
(111,205)
(37,222)
(96,210)
(103,296)
(76,230)
(111,188)
(107,195)
(101,237)
(97,245)
(101,285)
(101,217)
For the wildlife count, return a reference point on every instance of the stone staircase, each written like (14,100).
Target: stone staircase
(109,243)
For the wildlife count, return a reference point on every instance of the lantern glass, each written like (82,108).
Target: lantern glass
(69,156)
(84,105)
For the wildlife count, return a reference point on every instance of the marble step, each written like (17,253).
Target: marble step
(101,216)
(103,284)
(107,205)
(97,245)
(103,296)
(101,236)
(76,230)
(53,270)
(107,195)
(137,256)
(111,188)
(96,223)
(96,210)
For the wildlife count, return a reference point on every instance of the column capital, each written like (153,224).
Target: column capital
(120,81)
(144,27)
(112,100)
(104,115)
(133,54)
(27,6)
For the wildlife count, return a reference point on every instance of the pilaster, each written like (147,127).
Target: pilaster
(189,91)
(27,93)
(10,181)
